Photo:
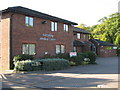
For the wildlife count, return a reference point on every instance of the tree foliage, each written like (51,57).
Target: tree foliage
(108,30)
(85,27)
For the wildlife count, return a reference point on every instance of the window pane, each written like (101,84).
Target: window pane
(52,26)
(57,49)
(26,21)
(31,49)
(66,27)
(78,35)
(31,21)
(25,49)
(62,49)
(55,26)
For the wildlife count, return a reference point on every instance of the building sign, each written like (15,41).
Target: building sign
(47,37)
(73,54)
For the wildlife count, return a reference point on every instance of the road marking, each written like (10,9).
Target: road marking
(3,76)
(100,86)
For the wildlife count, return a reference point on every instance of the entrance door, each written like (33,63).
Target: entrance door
(93,48)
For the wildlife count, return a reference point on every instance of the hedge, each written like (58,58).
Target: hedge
(41,64)
(23,57)
(27,65)
(76,60)
(54,64)
(92,56)
(57,62)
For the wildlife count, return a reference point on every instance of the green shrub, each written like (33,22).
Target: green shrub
(85,55)
(49,56)
(92,57)
(72,63)
(54,64)
(63,55)
(41,64)
(84,63)
(77,59)
(27,65)
(23,57)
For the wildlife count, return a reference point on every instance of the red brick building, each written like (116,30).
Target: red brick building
(25,31)
(81,40)
(104,49)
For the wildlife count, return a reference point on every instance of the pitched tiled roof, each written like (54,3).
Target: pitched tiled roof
(76,29)
(101,43)
(78,43)
(30,12)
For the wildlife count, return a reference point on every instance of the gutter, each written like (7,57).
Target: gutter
(11,27)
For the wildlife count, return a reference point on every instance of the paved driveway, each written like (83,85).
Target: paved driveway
(104,74)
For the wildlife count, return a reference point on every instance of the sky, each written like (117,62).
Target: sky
(86,12)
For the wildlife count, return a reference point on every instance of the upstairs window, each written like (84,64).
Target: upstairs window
(29,21)
(54,26)
(66,27)
(78,35)
(28,49)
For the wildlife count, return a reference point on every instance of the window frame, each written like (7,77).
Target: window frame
(54,26)
(66,27)
(29,21)
(28,48)
(79,35)
(61,50)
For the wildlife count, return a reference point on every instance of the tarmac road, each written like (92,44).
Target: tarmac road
(104,74)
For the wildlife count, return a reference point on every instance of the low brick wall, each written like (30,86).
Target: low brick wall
(104,52)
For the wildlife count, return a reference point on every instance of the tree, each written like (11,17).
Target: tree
(108,29)
(117,40)
(85,27)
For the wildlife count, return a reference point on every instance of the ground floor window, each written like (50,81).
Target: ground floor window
(74,49)
(60,49)
(28,49)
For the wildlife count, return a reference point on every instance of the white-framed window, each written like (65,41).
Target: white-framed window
(54,26)
(78,36)
(29,21)
(66,27)
(60,49)
(28,49)
(57,49)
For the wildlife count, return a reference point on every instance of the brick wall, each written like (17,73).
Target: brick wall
(82,35)
(21,34)
(5,42)
(86,42)
(102,51)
